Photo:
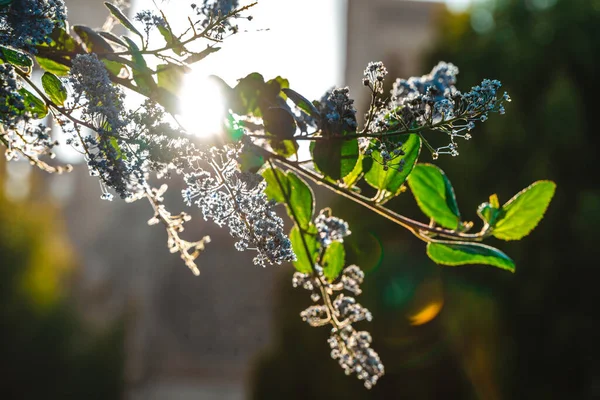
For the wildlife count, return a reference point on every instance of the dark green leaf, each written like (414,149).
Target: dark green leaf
(248,93)
(285,148)
(93,41)
(15,57)
(54,88)
(301,243)
(118,14)
(33,104)
(5,2)
(335,158)
(279,122)
(398,170)
(277,85)
(333,260)
(434,195)
(523,212)
(112,37)
(458,253)
(301,102)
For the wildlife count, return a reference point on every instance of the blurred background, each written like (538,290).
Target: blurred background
(93,305)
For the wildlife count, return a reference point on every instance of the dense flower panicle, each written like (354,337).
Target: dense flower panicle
(348,309)
(351,348)
(237,200)
(25,24)
(103,108)
(436,85)
(330,229)
(93,88)
(337,112)
(432,101)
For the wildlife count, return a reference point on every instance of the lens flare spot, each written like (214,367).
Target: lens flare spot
(426,314)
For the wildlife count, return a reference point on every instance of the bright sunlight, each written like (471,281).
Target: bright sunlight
(202,105)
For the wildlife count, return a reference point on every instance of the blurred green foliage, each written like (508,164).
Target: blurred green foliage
(47,351)
(475,332)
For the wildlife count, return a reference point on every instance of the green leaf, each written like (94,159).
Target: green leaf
(523,212)
(4,3)
(301,199)
(392,179)
(195,57)
(459,253)
(170,76)
(33,104)
(335,158)
(15,57)
(118,14)
(113,67)
(294,192)
(333,260)
(304,261)
(172,40)
(142,75)
(434,195)
(52,66)
(302,102)
(54,88)
(357,171)
(275,178)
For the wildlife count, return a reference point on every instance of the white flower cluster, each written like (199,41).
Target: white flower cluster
(433,101)
(330,229)
(351,348)
(237,200)
(374,75)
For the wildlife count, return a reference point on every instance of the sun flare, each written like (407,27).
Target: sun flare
(202,105)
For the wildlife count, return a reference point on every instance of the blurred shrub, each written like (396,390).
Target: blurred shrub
(46,352)
(547,53)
